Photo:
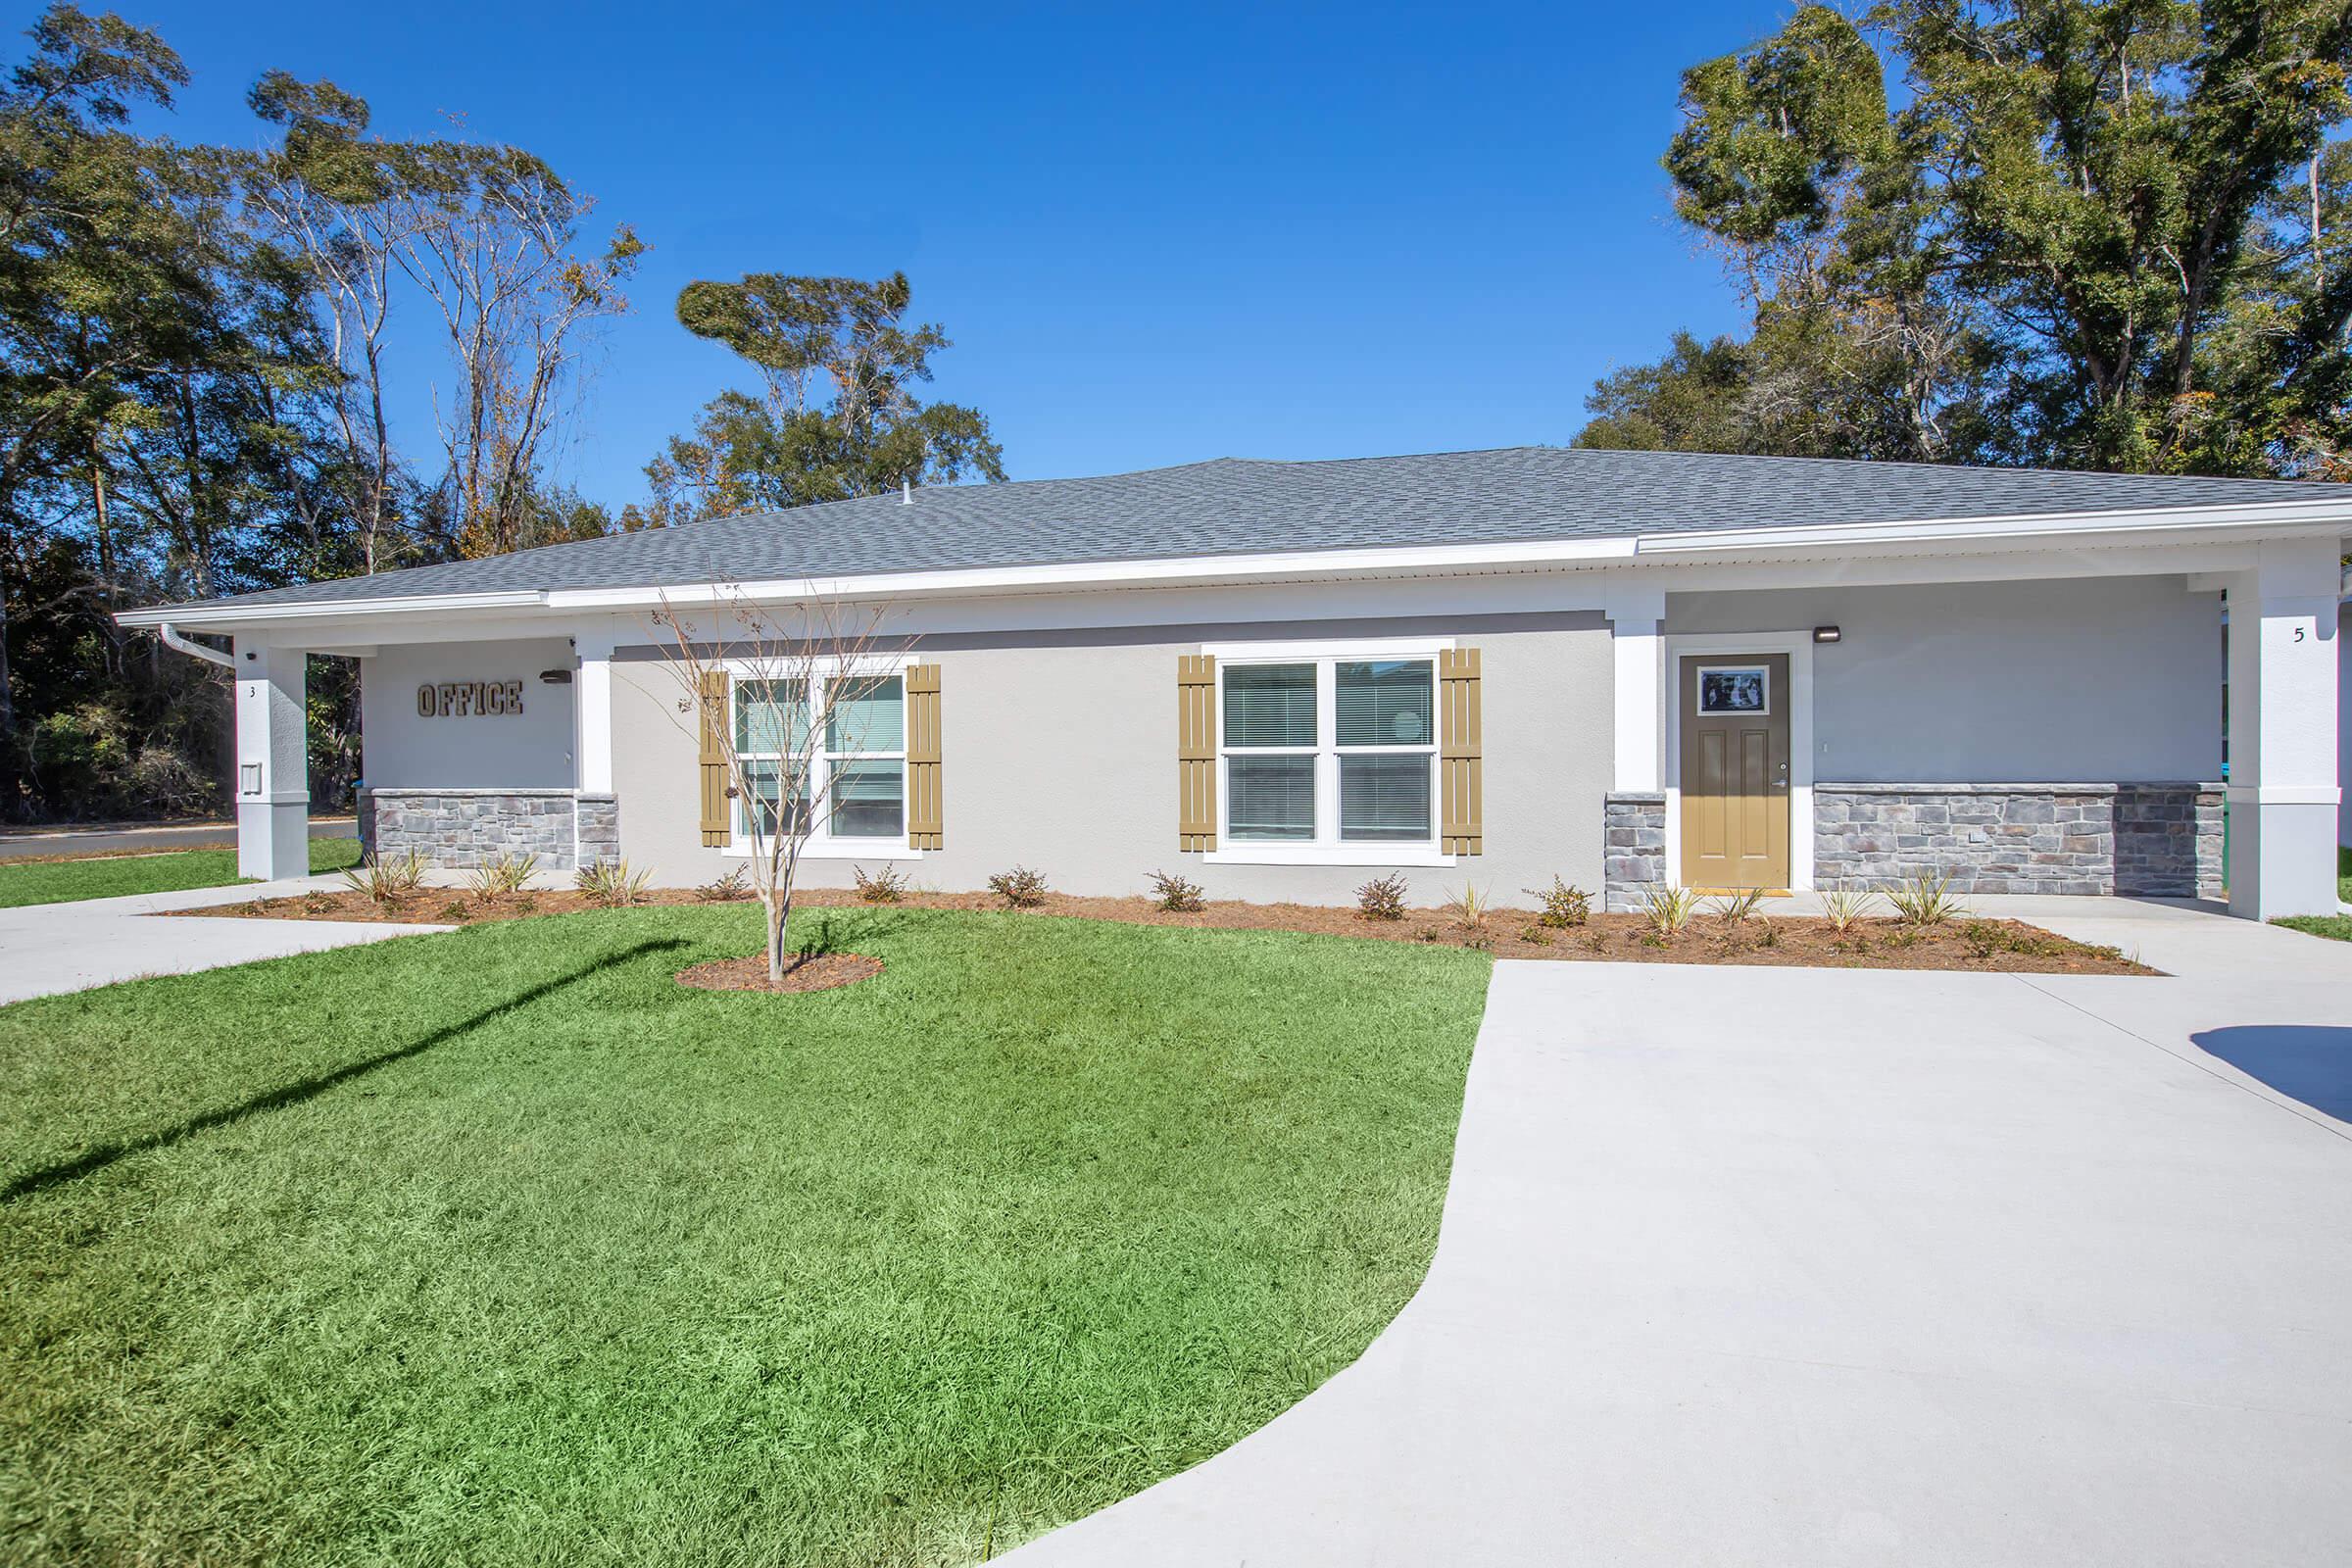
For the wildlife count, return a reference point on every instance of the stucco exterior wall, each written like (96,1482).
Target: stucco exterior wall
(2343,721)
(2088,680)
(402,748)
(1060,752)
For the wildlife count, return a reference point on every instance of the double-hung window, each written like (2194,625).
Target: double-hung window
(852,764)
(1333,756)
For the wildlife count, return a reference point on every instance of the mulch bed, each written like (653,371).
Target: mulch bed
(815,971)
(1995,947)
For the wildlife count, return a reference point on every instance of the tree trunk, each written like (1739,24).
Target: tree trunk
(779,910)
(8,717)
(106,567)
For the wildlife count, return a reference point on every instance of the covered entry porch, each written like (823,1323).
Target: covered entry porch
(2015,731)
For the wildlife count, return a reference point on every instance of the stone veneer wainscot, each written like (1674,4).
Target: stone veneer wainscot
(2156,839)
(1633,849)
(462,828)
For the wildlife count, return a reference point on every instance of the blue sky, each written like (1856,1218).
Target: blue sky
(1283,232)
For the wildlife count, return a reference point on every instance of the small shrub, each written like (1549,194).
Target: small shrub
(1668,909)
(503,877)
(1924,899)
(1732,907)
(1985,938)
(1534,934)
(1844,908)
(1428,933)
(1565,905)
(1020,888)
(317,902)
(1770,935)
(1594,941)
(888,884)
(1383,899)
(1174,894)
(387,881)
(611,884)
(455,912)
(735,882)
(1470,911)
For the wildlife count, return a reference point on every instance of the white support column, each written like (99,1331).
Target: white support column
(1638,640)
(2284,789)
(592,713)
(273,771)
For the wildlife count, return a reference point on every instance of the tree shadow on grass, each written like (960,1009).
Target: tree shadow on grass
(837,929)
(100,1157)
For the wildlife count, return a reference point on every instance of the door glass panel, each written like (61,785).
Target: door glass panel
(1734,691)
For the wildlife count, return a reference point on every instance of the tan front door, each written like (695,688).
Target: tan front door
(1734,763)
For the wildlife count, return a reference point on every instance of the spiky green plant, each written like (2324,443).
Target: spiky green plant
(1924,899)
(1668,909)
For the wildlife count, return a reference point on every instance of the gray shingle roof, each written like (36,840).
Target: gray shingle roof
(1237,507)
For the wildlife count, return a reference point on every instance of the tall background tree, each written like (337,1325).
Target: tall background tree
(2087,233)
(837,415)
(195,391)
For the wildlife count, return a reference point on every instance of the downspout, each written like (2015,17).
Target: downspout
(173,638)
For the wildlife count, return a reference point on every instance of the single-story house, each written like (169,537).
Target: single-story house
(1281,679)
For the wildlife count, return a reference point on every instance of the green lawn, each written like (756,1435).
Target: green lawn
(114,876)
(2335,927)
(499,1246)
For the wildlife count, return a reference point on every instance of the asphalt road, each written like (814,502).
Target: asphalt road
(23,843)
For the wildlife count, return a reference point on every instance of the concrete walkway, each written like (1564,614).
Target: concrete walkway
(51,948)
(1779,1266)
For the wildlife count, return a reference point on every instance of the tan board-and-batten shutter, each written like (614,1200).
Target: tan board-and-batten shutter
(1461,768)
(1197,752)
(713,760)
(926,816)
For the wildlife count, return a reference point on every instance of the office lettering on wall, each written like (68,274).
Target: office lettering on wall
(468,699)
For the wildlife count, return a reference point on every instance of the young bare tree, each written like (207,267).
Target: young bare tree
(771,689)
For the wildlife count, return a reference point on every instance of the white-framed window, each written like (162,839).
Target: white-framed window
(858,769)
(1328,754)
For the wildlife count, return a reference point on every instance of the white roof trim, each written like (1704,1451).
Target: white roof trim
(1960,535)
(234,614)
(2022,526)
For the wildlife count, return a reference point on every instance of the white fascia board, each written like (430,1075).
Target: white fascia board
(235,615)
(1083,575)
(2312,516)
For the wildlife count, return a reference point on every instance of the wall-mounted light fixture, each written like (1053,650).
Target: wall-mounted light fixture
(1825,634)
(556,677)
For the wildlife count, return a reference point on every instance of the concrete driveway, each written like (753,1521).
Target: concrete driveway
(50,948)
(1776,1266)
